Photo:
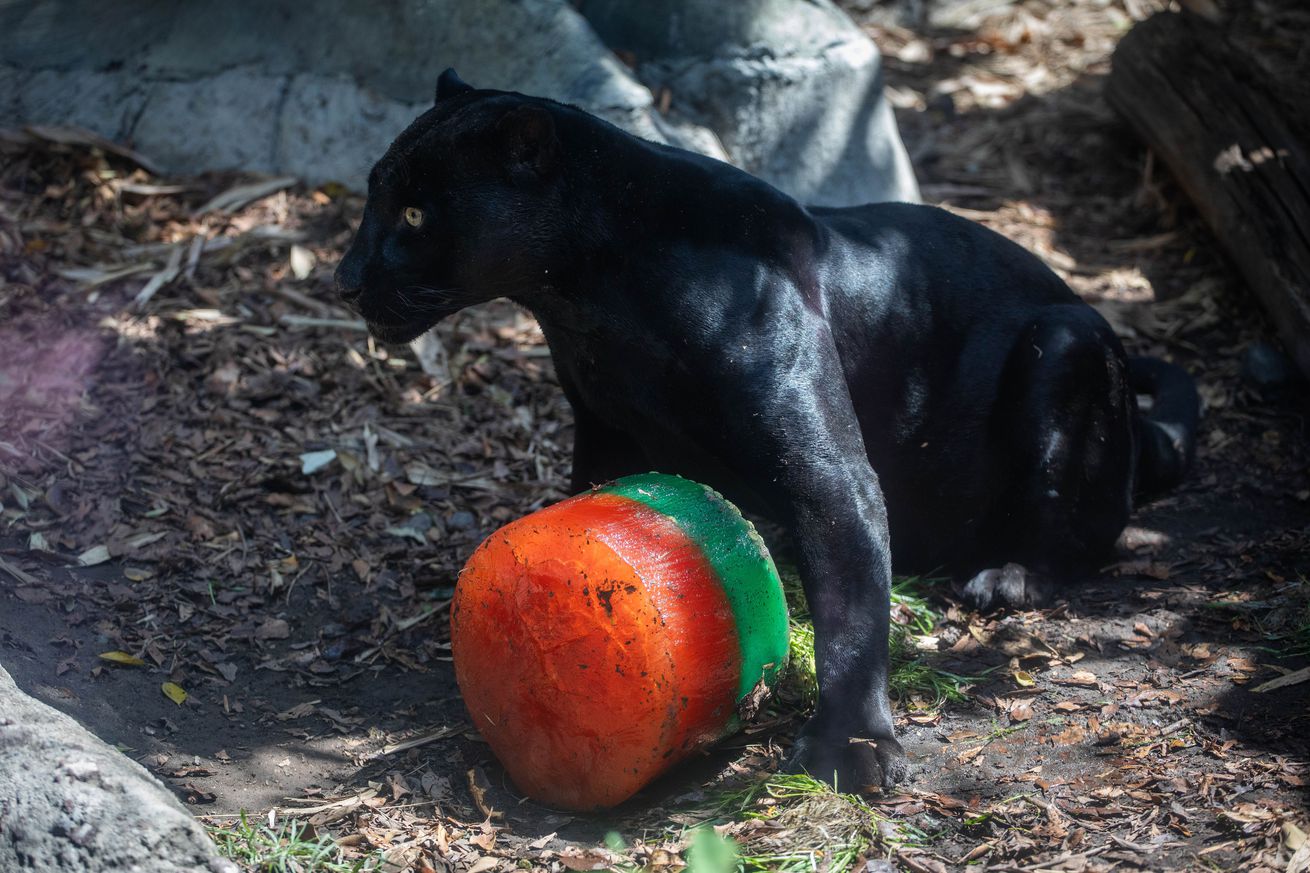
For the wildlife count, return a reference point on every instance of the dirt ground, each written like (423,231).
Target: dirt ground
(172,369)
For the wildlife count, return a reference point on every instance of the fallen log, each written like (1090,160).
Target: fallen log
(1216,119)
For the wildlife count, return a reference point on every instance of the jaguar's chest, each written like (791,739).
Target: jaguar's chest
(631,383)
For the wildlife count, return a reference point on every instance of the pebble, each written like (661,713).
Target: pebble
(1264,365)
(461,520)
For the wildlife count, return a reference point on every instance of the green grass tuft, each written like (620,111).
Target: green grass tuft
(928,685)
(1296,642)
(914,677)
(1283,618)
(1294,635)
(811,826)
(291,848)
(910,605)
(799,683)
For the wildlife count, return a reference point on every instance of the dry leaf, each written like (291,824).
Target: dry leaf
(312,462)
(484,864)
(174,692)
(302,262)
(969,754)
(34,595)
(123,658)
(273,629)
(575,858)
(480,787)
(94,555)
(1081,678)
(1070,736)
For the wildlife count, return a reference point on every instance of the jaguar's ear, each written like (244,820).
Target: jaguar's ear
(449,84)
(527,134)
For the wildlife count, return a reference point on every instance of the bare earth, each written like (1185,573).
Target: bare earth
(304,613)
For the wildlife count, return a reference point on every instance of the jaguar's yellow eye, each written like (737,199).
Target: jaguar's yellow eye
(413,216)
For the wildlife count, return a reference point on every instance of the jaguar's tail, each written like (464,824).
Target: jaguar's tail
(1166,433)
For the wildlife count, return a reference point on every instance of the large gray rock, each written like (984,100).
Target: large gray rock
(315,90)
(69,801)
(789,89)
(792,88)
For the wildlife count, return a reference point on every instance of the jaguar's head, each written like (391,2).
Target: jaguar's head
(463,208)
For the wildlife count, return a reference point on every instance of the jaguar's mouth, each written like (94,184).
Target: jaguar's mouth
(397,334)
(409,311)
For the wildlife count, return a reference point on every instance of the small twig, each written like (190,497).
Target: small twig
(327,498)
(407,623)
(420,740)
(294,580)
(18,574)
(1131,846)
(194,251)
(1189,674)
(299,298)
(1053,862)
(162,278)
(310,321)
(1055,813)
(234,198)
(348,802)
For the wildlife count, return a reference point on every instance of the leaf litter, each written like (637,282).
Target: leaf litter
(210,472)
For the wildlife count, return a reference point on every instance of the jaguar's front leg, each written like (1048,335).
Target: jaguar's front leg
(839,524)
(601,453)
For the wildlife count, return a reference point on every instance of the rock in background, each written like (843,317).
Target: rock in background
(791,88)
(315,90)
(69,801)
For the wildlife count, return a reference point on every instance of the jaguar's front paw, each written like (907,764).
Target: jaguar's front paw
(857,764)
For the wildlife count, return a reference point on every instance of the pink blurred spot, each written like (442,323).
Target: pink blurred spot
(44,372)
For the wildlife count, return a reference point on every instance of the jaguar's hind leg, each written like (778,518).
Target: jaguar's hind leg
(1013,586)
(1065,413)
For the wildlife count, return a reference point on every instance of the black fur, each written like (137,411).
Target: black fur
(880,378)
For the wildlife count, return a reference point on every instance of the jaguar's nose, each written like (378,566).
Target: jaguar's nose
(348,291)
